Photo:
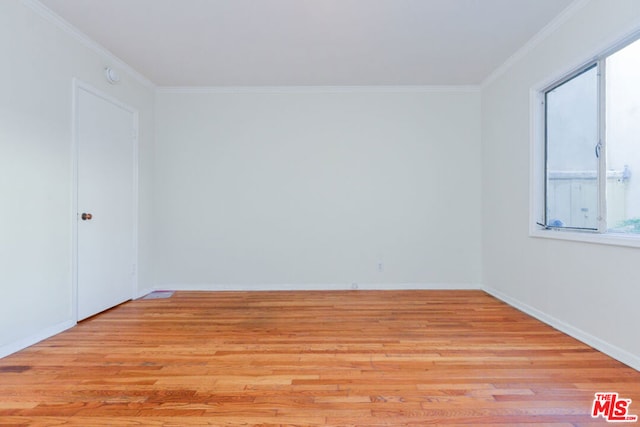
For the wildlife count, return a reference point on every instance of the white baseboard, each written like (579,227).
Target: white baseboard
(23,343)
(609,349)
(318,287)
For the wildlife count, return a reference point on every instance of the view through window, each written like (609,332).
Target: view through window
(623,139)
(592,146)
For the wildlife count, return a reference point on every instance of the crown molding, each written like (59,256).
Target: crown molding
(538,38)
(61,23)
(78,35)
(314,89)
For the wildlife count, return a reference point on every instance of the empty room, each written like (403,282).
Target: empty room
(319,212)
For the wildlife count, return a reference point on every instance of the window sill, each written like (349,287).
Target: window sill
(611,239)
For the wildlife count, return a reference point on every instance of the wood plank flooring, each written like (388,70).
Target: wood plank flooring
(352,358)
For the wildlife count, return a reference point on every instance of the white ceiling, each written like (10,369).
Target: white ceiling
(311,42)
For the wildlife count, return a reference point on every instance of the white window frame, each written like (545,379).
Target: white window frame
(537,157)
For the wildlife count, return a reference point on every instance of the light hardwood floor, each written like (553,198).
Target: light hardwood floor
(352,358)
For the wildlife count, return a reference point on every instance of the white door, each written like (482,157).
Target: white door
(106,143)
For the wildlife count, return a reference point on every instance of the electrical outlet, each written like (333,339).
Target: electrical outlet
(354,286)
(380,266)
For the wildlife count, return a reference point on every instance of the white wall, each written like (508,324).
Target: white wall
(39,63)
(590,290)
(316,187)
(306,187)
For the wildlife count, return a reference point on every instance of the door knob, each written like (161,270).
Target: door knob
(86,216)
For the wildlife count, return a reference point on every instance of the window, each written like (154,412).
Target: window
(590,148)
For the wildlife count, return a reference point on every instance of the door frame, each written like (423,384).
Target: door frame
(79,85)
